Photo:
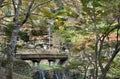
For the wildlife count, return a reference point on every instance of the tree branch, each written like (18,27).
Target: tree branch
(13,2)
(99,54)
(111,59)
(117,48)
(39,4)
(17,11)
(102,38)
(29,9)
(28,12)
(117,41)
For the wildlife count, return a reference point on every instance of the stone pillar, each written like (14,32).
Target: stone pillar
(36,61)
(51,61)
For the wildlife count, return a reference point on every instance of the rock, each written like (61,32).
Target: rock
(22,68)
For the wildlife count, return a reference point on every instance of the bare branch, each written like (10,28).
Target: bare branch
(29,9)
(111,59)
(39,4)
(13,2)
(117,40)
(28,12)
(109,27)
(102,38)
(99,54)
(16,10)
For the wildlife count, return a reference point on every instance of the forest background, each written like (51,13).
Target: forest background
(91,26)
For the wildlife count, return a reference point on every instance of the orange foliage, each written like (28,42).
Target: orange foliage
(34,38)
(88,41)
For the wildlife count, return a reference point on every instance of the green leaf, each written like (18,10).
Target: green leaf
(61,13)
(8,30)
(71,12)
(46,11)
(97,4)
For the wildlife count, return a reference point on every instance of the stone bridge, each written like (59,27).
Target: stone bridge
(38,57)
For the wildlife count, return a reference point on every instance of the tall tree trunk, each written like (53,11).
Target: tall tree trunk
(10,67)
(103,75)
(96,43)
(17,25)
(10,52)
(107,67)
(85,74)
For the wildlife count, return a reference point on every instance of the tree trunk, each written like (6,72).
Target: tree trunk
(85,74)
(10,67)
(1,75)
(107,67)
(103,74)
(11,51)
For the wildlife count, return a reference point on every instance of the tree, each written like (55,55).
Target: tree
(71,18)
(101,28)
(17,24)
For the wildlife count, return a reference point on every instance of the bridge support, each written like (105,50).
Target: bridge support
(61,61)
(36,61)
(50,61)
